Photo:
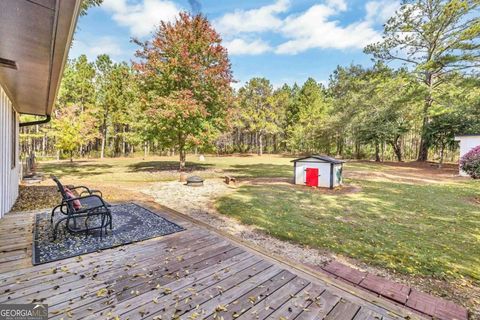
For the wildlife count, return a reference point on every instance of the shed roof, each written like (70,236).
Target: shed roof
(467,135)
(322,158)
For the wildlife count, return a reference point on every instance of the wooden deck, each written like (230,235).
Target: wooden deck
(193,274)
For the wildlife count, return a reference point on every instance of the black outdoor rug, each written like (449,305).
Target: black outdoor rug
(131,223)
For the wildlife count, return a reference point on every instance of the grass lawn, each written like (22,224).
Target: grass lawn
(420,229)
(398,221)
(154,169)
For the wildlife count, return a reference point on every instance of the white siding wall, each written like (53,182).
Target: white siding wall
(323,171)
(337,175)
(467,143)
(9,177)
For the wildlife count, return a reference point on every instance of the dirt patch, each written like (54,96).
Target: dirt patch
(474,200)
(344,189)
(407,172)
(264,181)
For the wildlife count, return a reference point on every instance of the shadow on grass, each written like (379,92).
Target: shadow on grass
(394,225)
(156,166)
(262,170)
(75,168)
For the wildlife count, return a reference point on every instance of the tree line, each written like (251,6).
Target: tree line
(176,97)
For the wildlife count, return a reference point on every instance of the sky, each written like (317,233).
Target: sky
(286,41)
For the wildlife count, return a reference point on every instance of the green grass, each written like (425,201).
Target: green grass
(430,229)
(136,170)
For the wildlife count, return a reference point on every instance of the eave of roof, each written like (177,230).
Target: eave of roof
(320,157)
(37,35)
(467,135)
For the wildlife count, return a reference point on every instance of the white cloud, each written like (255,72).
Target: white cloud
(337,4)
(97,46)
(315,28)
(256,20)
(141,18)
(381,11)
(243,47)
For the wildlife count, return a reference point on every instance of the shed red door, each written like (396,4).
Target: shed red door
(312,177)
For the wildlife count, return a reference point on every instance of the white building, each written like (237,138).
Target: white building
(34,40)
(318,171)
(467,143)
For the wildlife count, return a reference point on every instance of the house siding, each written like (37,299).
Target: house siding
(467,143)
(9,174)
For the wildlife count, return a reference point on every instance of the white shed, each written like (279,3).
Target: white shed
(318,171)
(467,143)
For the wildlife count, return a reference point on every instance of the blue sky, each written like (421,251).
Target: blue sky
(285,41)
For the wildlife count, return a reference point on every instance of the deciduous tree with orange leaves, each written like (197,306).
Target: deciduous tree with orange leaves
(185,78)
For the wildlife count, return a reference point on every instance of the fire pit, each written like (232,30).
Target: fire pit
(194,181)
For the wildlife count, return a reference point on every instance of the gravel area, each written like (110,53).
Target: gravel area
(198,202)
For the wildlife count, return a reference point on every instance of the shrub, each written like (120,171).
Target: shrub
(470,163)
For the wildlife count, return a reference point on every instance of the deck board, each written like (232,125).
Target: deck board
(196,273)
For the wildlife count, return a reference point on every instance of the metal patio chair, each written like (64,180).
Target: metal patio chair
(91,205)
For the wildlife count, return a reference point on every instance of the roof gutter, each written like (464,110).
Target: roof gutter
(34,123)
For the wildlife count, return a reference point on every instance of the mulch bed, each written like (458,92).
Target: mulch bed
(32,197)
(131,223)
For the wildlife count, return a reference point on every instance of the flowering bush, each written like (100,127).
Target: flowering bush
(470,163)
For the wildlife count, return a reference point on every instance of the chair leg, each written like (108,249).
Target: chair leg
(86,227)
(102,226)
(53,212)
(56,228)
(106,225)
(110,220)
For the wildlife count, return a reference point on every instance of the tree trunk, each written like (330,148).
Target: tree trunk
(183,158)
(442,154)
(104,135)
(102,152)
(423,148)
(397,149)
(124,143)
(260,144)
(424,143)
(377,152)
(339,146)
(44,144)
(181,151)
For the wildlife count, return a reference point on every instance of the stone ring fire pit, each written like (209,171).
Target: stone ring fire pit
(194,181)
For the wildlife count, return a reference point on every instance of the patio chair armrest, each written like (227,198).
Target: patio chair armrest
(93,191)
(86,189)
(104,204)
